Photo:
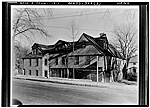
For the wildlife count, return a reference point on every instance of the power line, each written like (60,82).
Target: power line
(79,28)
(67,16)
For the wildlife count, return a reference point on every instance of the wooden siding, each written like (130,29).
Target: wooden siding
(33,67)
(83,52)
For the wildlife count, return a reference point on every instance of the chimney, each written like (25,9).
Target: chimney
(102,35)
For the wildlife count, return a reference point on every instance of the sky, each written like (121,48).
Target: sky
(91,20)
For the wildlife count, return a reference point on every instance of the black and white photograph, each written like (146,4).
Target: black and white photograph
(74,54)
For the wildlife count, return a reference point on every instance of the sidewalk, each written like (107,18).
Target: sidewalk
(80,82)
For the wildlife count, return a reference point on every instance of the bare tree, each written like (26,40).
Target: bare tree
(27,22)
(73,28)
(20,52)
(126,41)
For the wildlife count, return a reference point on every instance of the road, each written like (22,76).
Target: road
(46,93)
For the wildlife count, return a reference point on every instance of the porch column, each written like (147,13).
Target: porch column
(104,73)
(103,76)
(97,68)
(61,73)
(47,73)
(90,76)
(67,73)
(50,73)
(111,77)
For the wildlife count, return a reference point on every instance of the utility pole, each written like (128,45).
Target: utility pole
(97,68)
(74,32)
(73,51)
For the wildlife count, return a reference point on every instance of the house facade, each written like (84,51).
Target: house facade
(32,65)
(92,58)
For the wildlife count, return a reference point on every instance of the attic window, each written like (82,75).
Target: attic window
(83,44)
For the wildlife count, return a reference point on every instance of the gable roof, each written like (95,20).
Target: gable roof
(110,51)
(32,56)
(41,46)
(66,47)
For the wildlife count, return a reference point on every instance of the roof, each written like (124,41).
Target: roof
(114,51)
(134,59)
(43,47)
(97,43)
(32,56)
(65,47)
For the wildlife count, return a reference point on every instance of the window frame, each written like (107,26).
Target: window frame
(37,62)
(30,60)
(76,60)
(56,61)
(87,60)
(30,72)
(45,62)
(37,72)
(63,60)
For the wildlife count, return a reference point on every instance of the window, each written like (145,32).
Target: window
(56,61)
(29,62)
(66,60)
(29,72)
(100,68)
(63,60)
(76,60)
(37,62)
(45,73)
(45,62)
(134,63)
(83,44)
(36,72)
(87,61)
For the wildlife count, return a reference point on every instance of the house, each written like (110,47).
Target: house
(92,58)
(132,68)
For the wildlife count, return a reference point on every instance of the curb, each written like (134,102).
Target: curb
(59,82)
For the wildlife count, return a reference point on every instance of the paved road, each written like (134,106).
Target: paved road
(44,93)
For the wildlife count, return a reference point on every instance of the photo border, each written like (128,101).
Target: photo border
(143,47)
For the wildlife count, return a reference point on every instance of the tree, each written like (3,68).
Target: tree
(73,28)
(20,52)
(125,41)
(27,22)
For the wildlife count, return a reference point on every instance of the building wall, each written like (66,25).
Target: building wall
(45,67)
(33,67)
(60,70)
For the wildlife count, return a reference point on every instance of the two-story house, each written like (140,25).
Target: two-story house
(91,58)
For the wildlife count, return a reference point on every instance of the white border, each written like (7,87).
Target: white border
(72,6)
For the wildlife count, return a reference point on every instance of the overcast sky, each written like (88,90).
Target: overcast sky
(91,20)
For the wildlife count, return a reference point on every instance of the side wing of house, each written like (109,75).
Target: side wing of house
(32,66)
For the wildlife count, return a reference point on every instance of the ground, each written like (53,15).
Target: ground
(46,93)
